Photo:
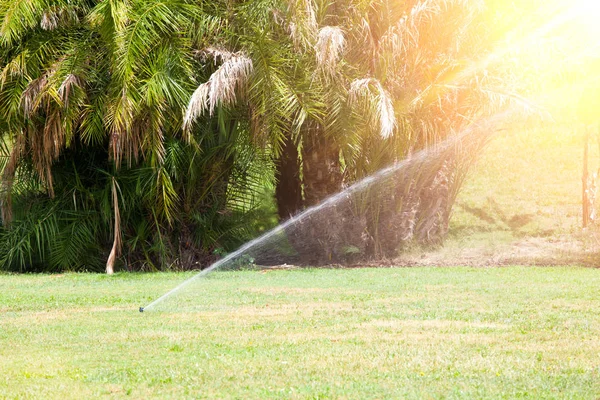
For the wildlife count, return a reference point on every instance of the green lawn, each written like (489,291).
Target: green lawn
(360,333)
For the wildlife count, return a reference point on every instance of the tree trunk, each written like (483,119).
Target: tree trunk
(288,192)
(116,248)
(322,178)
(321,166)
(585,177)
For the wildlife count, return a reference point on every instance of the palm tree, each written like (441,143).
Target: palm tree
(358,86)
(93,95)
(396,78)
(163,118)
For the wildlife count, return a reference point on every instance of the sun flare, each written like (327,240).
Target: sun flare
(587,14)
(556,52)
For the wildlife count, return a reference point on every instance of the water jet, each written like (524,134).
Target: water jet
(344,225)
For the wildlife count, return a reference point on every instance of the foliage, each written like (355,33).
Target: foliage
(382,81)
(165,119)
(95,157)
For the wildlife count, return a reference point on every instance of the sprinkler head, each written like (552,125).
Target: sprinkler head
(141,309)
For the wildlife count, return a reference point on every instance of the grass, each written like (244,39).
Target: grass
(362,333)
(521,204)
(526,183)
(514,332)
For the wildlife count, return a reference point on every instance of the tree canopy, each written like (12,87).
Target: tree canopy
(151,134)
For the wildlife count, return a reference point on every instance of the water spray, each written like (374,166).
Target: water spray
(475,133)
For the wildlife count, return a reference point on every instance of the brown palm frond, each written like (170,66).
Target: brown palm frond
(46,144)
(46,139)
(53,17)
(117,243)
(216,53)
(32,95)
(67,86)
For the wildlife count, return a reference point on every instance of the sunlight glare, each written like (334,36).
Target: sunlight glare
(587,12)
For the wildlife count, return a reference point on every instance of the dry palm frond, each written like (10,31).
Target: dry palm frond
(303,23)
(198,104)
(222,88)
(66,87)
(116,248)
(217,53)
(387,117)
(47,142)
(49,21)
(49,133)
(47,139)
(329,47)
(53,17)
(380,102)
(30,99)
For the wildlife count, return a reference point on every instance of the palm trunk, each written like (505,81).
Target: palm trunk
(288,192)
(321,166)
(322,178)
(585,178)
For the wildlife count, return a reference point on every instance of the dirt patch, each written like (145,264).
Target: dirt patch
(534,251)
(580,249)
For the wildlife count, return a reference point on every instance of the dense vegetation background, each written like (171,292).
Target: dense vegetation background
(156,134)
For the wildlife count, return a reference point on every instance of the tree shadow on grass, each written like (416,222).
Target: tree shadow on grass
(492,214)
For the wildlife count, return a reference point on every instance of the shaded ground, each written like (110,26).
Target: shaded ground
(521,204)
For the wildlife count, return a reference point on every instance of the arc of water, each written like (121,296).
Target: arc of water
(279,228)
(483,127)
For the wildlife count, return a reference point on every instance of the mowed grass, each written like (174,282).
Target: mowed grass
(359,333)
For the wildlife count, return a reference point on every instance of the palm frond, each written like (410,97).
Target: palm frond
(329,47)
(380,103)
(222,89)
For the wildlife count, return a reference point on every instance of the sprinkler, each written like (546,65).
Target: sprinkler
(141,309)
